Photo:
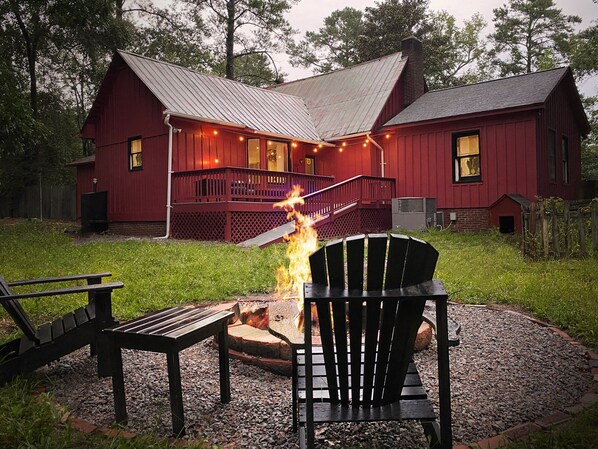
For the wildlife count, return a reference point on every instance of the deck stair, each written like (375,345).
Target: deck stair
(330,203)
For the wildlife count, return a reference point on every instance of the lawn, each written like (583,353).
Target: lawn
(475,268)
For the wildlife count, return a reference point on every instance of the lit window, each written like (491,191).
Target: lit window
(135,153)
(253,153)
(466,157)
(278,156)
(565,160)
(551,155)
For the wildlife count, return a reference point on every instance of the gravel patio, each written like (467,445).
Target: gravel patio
(507,370)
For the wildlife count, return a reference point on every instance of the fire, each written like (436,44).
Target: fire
(302,243)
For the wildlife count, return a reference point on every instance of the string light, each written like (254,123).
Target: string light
(215,132)
(315,150)
(319,145)
(340,150)
(388,136)
(344,144)
(241,138)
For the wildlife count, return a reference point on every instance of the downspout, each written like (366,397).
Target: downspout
(382,163)
(171,130)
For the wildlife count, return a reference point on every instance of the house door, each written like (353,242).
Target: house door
(310,165)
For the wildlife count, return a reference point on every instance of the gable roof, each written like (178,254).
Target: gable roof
(187,93)
(504,93)
(348,101)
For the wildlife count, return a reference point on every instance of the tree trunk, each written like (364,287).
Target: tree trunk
(230,39)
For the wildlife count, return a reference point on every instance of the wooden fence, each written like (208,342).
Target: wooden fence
(556,228)
(49,202)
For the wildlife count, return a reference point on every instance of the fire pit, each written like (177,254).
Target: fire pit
(264,328)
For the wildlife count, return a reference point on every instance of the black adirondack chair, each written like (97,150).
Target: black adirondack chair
(359,366)
(48,342)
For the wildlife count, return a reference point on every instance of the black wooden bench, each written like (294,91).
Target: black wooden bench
(170,331)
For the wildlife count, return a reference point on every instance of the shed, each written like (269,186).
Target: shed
(505,213)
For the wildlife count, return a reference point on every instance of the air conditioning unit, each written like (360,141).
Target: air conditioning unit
(415,213)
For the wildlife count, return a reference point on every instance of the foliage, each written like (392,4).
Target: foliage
(530,35)
(333,46)
(589,146)
(458,53)
(242,28)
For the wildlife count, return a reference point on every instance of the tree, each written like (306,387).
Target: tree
(242,28)
(388,23)
(334,45)
(530,35)
(454,55)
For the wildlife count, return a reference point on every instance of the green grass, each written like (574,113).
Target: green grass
(475,268)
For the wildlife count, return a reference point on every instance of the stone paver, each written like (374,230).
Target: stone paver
(551,420)
(522,431)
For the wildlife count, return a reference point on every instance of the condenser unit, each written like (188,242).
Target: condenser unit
(415,213)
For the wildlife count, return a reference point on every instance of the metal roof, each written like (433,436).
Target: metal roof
(84,160)
(348,101)
(187,93)
(505,93)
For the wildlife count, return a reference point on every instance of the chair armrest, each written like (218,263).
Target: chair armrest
(75,277)
(66,291)
(433,290)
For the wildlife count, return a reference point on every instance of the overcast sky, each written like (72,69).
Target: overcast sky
(309,15)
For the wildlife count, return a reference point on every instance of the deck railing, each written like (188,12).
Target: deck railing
(357,191)
(241,184)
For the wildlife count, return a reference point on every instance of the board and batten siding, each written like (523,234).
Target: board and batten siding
(131,110)
(558,116)
(420,158)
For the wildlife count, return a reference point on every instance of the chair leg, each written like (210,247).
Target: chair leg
(224,365)
(118,386)
(432,432)
(294,387)
(176,393)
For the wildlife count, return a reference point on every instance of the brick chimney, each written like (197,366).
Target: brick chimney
(411,47)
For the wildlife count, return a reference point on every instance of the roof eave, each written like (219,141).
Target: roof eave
(480,114)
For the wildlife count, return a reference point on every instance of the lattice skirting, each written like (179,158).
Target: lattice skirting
(246,225)
(354,222)
(198,225)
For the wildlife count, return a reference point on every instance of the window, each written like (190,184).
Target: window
(253,153)
(466,157)
(551,155)
(310,165)
(278,156)
(565,155)
(135,153)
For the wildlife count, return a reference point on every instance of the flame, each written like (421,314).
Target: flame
(302,243)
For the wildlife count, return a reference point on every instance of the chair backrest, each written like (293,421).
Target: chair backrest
(16,312)
(376,331)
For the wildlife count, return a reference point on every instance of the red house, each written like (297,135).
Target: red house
(195,156)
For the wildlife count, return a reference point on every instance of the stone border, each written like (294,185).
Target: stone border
(519,432)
